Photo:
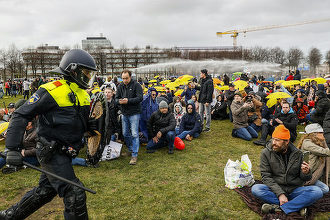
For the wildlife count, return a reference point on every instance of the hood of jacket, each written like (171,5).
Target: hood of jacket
(178,104)
(193,108)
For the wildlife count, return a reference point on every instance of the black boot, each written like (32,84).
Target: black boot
(30,203)
(264,133)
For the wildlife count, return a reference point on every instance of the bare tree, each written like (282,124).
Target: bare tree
(13,60)
(3,61)
(123,56)
(294,57)
(314,59)
(100,59)
(260,54)
(277,55)
(136,56)
(327,59)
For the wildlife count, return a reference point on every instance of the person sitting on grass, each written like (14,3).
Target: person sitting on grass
(240,109)
(178,114)
(301,110)
(319,158)
(287,117)
(29,150)
(219,110)
(284,173)
(191,124)
(161,127)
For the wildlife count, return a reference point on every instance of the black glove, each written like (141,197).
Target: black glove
(14,158)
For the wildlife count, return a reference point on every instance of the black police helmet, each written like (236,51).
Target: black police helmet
(11,105)
(76,65)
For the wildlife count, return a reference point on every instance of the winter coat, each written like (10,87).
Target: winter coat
(188,94)
(219,110)
(133,92)
(290,121)
(256,111)
(281,179)
(30,142)
(148,105)
(322,107)
(230,96)
(112,117)
(326,128)
(240,114)
(290,77)
(297,76)
(301,112)
(178,116)
(318,155)
(160,122)
(206,90)
(191,122)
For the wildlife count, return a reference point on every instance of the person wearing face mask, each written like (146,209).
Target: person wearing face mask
(286,117)
(284,173)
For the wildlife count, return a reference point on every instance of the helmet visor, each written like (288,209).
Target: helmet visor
(88,77)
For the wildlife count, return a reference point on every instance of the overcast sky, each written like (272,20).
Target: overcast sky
(164,23)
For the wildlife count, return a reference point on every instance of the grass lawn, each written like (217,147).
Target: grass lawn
(186,185)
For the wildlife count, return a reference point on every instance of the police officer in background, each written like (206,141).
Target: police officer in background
(63,110)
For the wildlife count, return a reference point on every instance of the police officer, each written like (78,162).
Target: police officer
(63,116)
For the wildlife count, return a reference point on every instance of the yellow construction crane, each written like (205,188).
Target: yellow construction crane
(235,33)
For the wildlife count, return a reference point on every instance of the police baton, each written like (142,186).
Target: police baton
(54,175)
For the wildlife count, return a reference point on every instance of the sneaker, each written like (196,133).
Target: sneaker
(303,212)
(150,151)
(171,151)
(260,142)
(133,161)
(270,208)
(189,138)
(206,130)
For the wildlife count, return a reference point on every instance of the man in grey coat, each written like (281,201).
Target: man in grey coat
(283,173)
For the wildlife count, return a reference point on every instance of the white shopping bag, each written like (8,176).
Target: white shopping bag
(239,174)
(111,151)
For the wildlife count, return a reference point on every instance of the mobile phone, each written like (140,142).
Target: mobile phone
(306,156)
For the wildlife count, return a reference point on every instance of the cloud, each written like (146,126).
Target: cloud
(162,23)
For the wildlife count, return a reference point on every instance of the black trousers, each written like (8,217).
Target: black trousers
(74,198)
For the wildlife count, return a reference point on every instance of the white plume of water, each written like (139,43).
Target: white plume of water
(213,66)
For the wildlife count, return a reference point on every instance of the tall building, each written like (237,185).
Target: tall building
(96,42)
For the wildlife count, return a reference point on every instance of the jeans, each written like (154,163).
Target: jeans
(177,130)
(246,133)
(309,116)
(130,124)
(185,133)
(255,127)
(207,110)
(79,162)
(169,138)
(322,186)
(299,198)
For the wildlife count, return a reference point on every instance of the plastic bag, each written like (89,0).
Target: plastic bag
(111,151)
(239,174)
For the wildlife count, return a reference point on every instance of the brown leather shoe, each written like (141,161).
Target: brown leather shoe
(189,138)
(133,161)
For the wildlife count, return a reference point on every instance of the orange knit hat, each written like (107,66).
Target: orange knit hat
(281,132)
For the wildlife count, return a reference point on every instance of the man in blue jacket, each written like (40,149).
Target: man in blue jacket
(191,124)
(188,92)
